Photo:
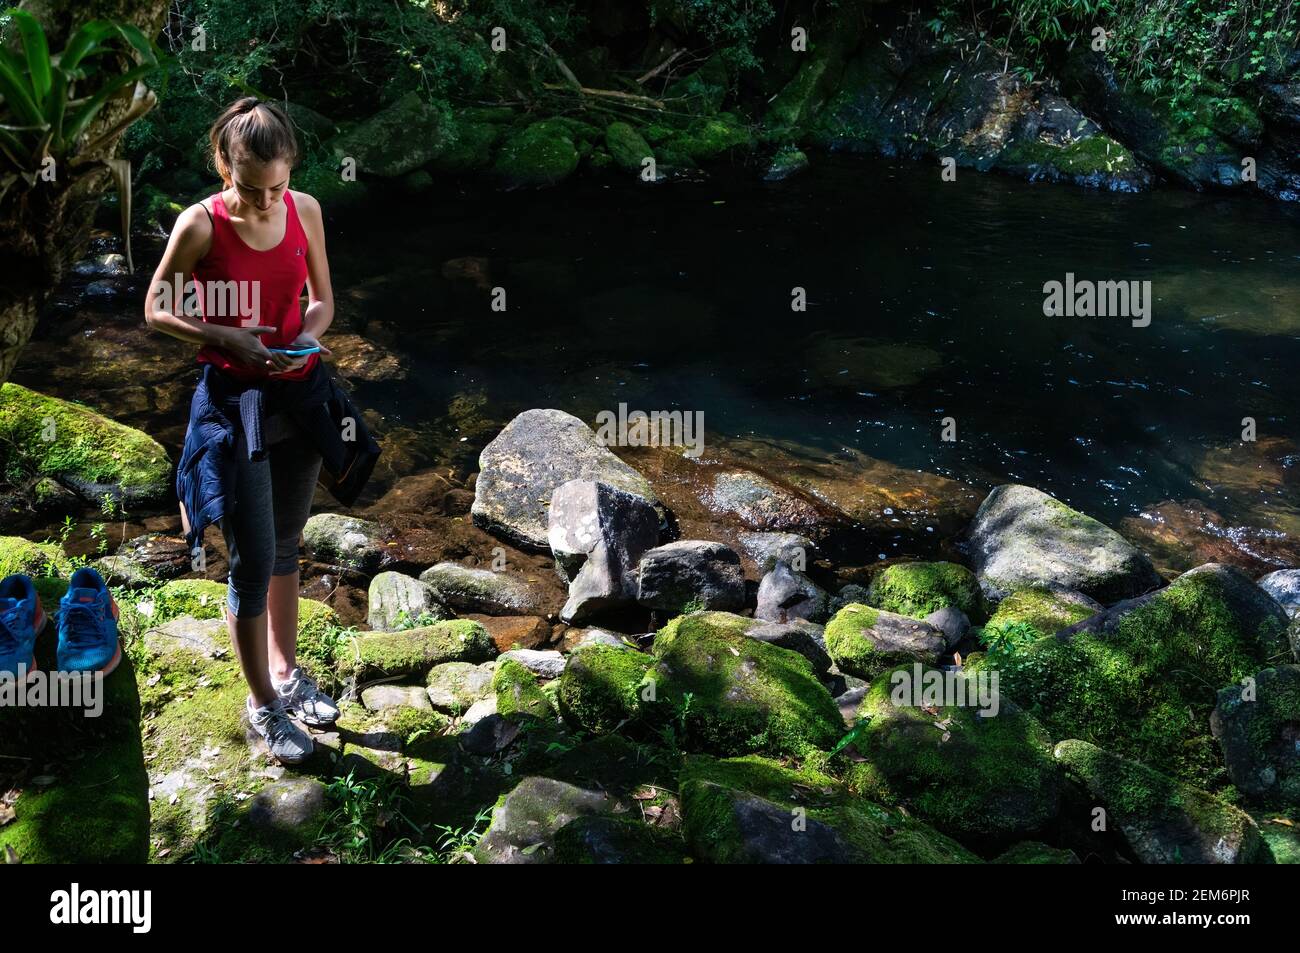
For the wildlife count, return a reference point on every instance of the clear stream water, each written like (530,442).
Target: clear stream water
(925,300)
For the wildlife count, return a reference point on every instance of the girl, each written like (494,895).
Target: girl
(249,249)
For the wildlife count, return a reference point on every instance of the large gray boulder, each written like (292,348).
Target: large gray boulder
(533,454)
(1021,537)
(598,534)
(675,575)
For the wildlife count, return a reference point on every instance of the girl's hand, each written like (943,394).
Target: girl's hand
(302,340)
(245,343)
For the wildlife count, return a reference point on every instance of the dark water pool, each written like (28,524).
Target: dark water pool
(925,301)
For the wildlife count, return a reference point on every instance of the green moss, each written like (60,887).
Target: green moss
(600,687)
(730,694)
(626,146)
(58,438)
(917,589)
(1145,799)
(988,780)
(517,691)
(1033,852)
(1154,677)
(1044,611)
(415,651)
(1081,158)
(1282,838)
(541,154)
(870,832)
(18,555)
(88,800)
(864,641)
(712,138)
(608,840)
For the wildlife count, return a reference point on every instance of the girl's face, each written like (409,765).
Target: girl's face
(260,184)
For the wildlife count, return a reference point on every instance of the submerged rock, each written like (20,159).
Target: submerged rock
(1021,537)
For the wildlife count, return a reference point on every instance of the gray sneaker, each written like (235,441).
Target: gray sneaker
(289,743)
(303,699)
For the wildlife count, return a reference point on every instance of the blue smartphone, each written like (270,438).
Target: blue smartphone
(295,351)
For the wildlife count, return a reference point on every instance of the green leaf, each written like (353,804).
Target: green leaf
(82,117)
(856,732)
(37,52)
(15,90)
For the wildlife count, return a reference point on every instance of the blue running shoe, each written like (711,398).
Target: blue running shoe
(22,619)
(88,625)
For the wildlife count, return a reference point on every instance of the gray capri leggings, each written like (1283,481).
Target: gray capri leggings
(273,501)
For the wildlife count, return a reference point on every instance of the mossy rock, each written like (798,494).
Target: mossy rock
(600,839)
(86,797)
(865,641)
(601,687)
(1162,820)
(1042,611)
(756,810)
(730,694)
(471,149)
(413,652)
(626,147)
(1034,852)
(541,154)
(319,635)
(1132,678)
(518,692)
(82,449)
(988,780)
(322,178)
(18,555)
(1258,736)
(713,137)
(918,589)
(401,137)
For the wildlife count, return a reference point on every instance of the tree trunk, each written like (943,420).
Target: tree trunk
(46,228)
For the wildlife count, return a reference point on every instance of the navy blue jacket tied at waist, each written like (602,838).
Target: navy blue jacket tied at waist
(224,406)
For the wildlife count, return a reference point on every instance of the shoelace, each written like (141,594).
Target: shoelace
(9,630)
(277,724)
(82,621)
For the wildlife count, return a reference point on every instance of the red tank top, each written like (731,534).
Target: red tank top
(240,286)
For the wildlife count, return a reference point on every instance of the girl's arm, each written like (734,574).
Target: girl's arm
(163,306)
(190,240)
(320,295)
